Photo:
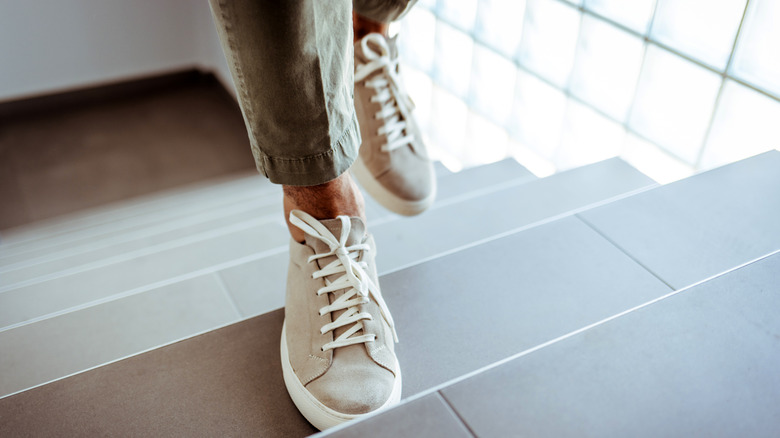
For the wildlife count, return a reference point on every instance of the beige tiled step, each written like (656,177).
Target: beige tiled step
(255,282)
(57,235)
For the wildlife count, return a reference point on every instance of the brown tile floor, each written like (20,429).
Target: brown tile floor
(82,156)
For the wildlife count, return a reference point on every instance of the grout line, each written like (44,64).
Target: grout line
(223,286)
(544,221)
(277,250)
(149,250)
(218,267)
(647,40)
(623,250)
(455,413)
(257,256)
(119,211)
(128,356)
(716,104)
(150,286)
(243,226)
(528,351)
(152,230)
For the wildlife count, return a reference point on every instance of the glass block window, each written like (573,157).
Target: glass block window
(671,86)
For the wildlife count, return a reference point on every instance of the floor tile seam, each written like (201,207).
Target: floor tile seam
(107,242)
(280,249)
(226,292)
(127,356)
(252,196)
(624,251)
(443,386)
(148,287)
(447,202)
(143,252)
(253,257)
(522,228)
(150,219)
(458,379)
(124,214)
(478,192)
(198,237)
(488,190)
(120,207)
(455,412)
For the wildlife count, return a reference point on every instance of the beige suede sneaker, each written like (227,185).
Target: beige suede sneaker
(393,164)
(337,347)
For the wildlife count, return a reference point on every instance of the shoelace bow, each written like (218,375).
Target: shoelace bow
(396,106)
(355,282)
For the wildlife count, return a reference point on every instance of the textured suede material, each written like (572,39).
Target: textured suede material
(406,171)
(302,318)
(355,379)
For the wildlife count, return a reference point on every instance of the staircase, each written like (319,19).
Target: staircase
(590,302)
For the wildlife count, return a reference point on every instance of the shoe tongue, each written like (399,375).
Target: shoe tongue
(357,232)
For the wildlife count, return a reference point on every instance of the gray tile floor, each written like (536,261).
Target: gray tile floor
(519,294)
(703,362)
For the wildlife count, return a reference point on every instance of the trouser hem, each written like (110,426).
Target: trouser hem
(315,169)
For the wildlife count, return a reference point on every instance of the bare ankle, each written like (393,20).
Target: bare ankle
(363,26)
(340,196)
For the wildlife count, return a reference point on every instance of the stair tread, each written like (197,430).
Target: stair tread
(242,280)
(560,277)
(694,228)
(418,330)
(685,359)
(68,251)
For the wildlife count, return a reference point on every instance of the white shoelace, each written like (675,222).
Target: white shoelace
(355,282)
(396,106)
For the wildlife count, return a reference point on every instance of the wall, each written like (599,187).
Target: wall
(55,45)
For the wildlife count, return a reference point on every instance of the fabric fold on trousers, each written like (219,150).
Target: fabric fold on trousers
(292,64)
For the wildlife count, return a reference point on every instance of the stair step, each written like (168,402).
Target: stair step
(51,260)
(449,226)
(455,313)
(240,286)
(684,358)
(707,215)
(58,234)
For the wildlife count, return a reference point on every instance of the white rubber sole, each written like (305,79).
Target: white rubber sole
(319,415)
(387,198)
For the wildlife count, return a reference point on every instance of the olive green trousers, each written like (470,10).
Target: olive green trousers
(292,65)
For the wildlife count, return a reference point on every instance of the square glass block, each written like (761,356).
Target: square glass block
(486,142)
(674,103)
(427,4)
(537,114)
(702,29)
(416,39)
(653,161)
(532,161)
(449,115)
(459,13)
(606,67)
(757,58)
(634,14)
(746,123)
(549,40)
(492,84)
(420,89)
(452,59)
(500,25)
(587,137)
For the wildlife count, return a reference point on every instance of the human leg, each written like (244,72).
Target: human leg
(393,164)
(292,65)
